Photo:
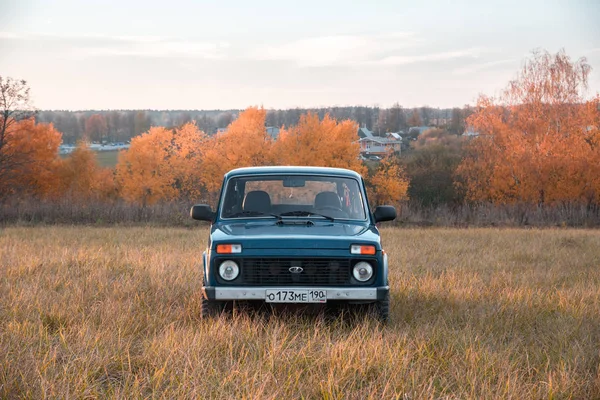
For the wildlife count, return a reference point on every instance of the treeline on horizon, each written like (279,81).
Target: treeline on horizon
(123,125)
(534,156)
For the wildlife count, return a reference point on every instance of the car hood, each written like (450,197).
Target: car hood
(318,235)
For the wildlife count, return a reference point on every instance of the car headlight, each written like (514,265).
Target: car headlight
(362,271)
(229,270)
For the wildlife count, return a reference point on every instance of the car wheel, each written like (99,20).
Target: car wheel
(382,309)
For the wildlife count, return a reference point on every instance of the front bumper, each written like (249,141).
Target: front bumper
(258,293)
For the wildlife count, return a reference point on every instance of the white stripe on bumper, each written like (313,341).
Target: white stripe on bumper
(258,293)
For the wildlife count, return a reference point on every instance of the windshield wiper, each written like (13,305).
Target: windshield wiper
(300,213)
(250,213)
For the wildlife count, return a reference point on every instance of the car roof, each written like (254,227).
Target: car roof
(299,170)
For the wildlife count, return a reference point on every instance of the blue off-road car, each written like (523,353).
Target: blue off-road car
(294,235)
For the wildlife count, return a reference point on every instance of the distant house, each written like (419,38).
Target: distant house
(379,146)
(364,133)
(371,145)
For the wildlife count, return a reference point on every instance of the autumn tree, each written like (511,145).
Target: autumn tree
(539,142)
(162,165)
(415,119)
(245,143)
(425,115)
(141,123)
(457,122)
(431,167)
(14,106)
(396,120)
(189,151)
(29,154)
(27,150)
(388,183)
(143,172)
(80,177)
(315,142)
(96,128)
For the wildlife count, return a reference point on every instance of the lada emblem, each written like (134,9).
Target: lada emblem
(296,270)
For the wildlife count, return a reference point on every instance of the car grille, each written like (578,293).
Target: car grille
(309,271)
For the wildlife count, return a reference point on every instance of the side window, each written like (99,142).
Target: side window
(351,201)
(233,197)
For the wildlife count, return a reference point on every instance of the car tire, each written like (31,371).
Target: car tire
(382,309)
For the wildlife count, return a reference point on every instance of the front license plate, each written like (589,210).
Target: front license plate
(296,296)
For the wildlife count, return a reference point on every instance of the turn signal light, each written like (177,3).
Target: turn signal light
(362,249)
(229,248)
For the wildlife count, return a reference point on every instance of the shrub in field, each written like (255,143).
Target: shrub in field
(431,167)
(79,177)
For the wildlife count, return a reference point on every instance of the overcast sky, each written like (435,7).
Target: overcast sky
(147,54)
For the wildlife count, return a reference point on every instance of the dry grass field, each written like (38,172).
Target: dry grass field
(484,313)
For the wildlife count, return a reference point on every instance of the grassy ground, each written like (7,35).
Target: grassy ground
(482,313)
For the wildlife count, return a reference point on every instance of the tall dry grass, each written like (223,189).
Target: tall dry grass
(482,313)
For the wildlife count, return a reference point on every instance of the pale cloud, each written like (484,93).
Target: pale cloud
(469,69)
(9,35)
(163,48)
(336,50)
(139,46)
(429,57)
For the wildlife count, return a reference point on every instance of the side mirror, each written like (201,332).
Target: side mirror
(202,212)
(384,213)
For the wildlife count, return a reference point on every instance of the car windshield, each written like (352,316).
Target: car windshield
(293,196)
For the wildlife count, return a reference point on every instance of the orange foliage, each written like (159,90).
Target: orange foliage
(539,142)
(81,178)
(165,164)
(329,143)
(28,158)
(389,184)
(246,143)
(162,164)
(325,143)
